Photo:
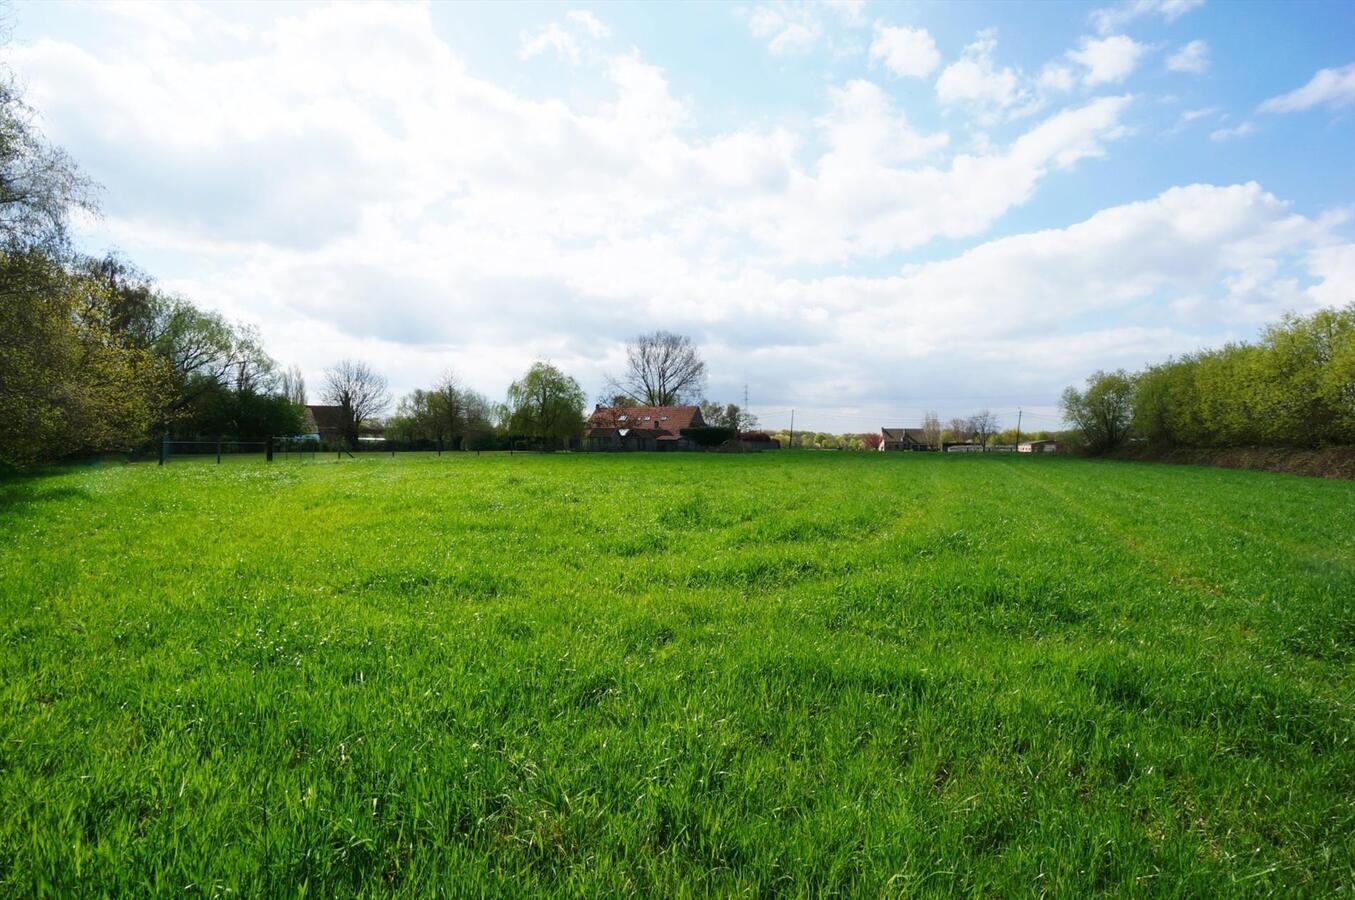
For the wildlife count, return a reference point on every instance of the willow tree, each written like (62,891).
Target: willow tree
(546,404)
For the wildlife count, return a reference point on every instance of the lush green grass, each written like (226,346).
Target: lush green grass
(676,675)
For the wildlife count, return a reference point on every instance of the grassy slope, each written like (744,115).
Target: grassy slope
(675,675)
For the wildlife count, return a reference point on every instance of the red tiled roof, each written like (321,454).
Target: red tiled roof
(659,418)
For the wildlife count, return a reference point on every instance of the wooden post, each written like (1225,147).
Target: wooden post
(218,450)
(439,446)
(164,441)
(269,451)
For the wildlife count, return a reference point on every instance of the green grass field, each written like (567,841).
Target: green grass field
(676,675)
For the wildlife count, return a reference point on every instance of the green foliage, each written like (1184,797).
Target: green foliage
(446,414)
(70,380)
(710,436)
(545,403)
(39,184)
(1102,413)
(1294,388)
(778,674)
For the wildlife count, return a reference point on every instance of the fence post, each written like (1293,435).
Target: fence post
(218,450)
(163,441)
(439,446)
(270,448)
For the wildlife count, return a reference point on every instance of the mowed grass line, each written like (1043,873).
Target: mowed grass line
(795,674)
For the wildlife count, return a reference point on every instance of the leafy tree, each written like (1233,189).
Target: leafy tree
(1102,412)
(545,403)
(730,415)
(39,184)
(445,413)
(68,385)
(1295,387)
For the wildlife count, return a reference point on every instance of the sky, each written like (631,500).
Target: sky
(858,210)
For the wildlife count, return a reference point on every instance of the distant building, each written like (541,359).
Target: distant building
(642,427)
(329,422)
(963,447)
(903,439)
(758,440)
(1048,446)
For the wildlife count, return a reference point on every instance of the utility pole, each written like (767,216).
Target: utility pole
(1018,426)
(792,430)
(745,407)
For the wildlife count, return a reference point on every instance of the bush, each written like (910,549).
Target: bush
(709,436)
(1294,388)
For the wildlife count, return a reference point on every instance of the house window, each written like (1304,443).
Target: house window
(663,418)
(621,418)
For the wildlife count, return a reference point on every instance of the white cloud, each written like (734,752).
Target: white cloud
(905,51)
(1233,245)
(552,37)
(567,38)
(788,28)
(1192,58)
(1055,77)
(342,179)
(1190,116)
(1109,60)
(1329,87)
(1241,130)
(590,23)
(1113,18)
(1334,265)
(976,81)
(851,11)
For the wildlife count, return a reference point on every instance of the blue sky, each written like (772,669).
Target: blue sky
(859,210)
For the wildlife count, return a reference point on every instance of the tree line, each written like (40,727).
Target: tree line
(93,356)
(1294,387)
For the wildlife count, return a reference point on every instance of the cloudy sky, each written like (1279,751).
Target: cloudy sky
(859,210)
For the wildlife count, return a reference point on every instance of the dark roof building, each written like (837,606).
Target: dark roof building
(641,427)
(327,421)
(903,439)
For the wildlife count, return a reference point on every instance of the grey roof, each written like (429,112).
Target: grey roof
(916,435)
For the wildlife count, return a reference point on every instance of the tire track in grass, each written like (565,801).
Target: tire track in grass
(1215,520)
(1166,564)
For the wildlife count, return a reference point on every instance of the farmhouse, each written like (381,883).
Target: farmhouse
(1049,446)
(903,439)
(328,422)
(642,427)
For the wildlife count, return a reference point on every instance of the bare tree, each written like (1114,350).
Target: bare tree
(292,385)
(931,429)
(984,425)
(662,369)
(961,430)
(359,391)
